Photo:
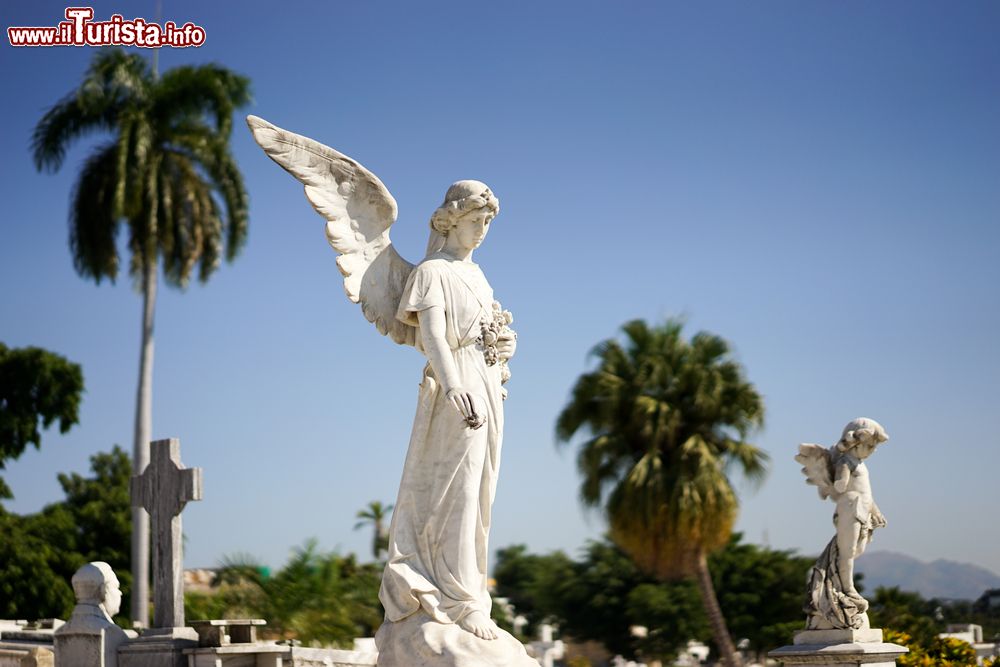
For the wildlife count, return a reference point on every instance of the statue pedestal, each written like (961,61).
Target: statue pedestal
(420,641)
(158,647)
(839,648)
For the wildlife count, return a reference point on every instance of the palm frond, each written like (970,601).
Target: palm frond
(63,123)
(112,83)
(93,223)
(748,459)
(115,77)
(211,153)
(191,91)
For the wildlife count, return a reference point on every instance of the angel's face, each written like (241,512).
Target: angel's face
(866,446)
(471,228)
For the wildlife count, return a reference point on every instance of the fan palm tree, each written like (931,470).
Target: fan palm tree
(666,420)
(375,514)
(166,175)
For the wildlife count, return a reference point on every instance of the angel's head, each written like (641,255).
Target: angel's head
(861,436)
(467,210)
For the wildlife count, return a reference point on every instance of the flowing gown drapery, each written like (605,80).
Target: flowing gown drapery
(438,538)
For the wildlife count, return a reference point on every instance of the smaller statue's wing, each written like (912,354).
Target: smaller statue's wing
(816,466)
(359,211)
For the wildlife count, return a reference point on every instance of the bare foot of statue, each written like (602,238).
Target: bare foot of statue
(479,624)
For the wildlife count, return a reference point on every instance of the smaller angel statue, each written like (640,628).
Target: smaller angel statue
(839,473)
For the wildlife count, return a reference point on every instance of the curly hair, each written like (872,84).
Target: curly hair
(858,427)
(463,197)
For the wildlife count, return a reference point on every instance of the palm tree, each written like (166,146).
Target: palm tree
(167,175)
(375,513)
(666,420)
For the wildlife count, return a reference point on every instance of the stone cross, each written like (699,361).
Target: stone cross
(163,489)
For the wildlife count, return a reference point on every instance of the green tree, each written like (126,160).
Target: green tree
(99,510)
(666,419)
(40,552)
(603,601)
(534,584)
(906,612)
(30,581)
(317,597)
(239,591)
(600,598)
(35,386)
(602,595)
(671,615)
(761,592)
(375,514)
(167,175)
(920,619)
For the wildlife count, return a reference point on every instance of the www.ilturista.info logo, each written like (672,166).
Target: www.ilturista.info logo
(81,30)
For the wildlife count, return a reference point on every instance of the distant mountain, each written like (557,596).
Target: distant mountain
(940,579)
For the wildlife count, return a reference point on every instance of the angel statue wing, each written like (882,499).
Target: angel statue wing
(359,212)
(816,466)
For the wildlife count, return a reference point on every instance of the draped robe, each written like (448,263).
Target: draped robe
(439,537)
(436,572)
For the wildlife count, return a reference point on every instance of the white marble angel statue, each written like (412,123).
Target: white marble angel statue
(839,473)
(434,588)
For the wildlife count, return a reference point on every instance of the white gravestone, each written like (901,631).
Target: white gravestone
(546,649)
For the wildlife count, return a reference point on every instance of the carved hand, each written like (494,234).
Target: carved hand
(842,480)
(507,345)
(432,331)
(466,406)
(878,519)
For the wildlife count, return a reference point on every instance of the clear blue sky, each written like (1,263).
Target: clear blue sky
(818,182)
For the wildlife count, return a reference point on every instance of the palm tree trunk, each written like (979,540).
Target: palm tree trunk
(727,651)
(377,544)
(140,450)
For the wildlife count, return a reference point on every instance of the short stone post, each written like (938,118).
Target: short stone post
(163,489)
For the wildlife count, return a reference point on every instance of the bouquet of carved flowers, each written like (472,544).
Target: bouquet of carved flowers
(497,327)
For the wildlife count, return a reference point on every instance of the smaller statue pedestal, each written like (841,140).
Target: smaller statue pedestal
(839,648)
